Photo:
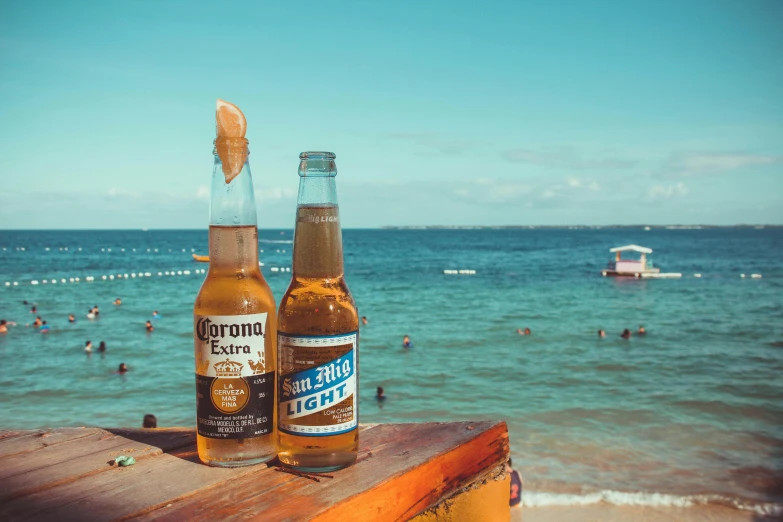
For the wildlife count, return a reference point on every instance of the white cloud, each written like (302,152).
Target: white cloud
(667,191)
(115,192)
(699,163)
(492,191)
(588,184)
(438,143)
(274,193)
(564,158)
(548,193)
(202,192)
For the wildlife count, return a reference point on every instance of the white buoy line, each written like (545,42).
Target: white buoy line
(103,249)
(121,249)
(130,275)
(459,272)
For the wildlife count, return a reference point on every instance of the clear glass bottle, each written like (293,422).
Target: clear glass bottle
(318,337)
(235,327)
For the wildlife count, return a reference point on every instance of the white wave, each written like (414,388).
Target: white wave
(629,498)
(289,241)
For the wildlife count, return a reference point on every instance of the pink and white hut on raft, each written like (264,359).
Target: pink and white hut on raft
(640,268)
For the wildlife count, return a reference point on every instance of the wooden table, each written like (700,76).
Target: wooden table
(428,471)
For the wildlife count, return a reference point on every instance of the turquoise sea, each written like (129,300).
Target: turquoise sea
(690,413)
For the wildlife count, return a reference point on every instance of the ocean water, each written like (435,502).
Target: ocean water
(690,413)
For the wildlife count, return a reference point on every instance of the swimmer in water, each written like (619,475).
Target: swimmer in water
(33,309)
(150,421)
(626,334)
(95,311)
(118,301)
(102,347)
(379,396)
(641,331)
(38,322)
(406,342)
(122,369)
(3,327)
(526,331)
(71,318)
(88,346)
(155,314)
(601,334)
(149,327)
(90,315)
(364,319)
(44,328)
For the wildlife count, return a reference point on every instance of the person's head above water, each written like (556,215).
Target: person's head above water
(379,391)
(527,331)
(150,421)
(123,368)
(601,333)
(626,333)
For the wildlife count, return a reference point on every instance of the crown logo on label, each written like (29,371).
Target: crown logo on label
(228,368)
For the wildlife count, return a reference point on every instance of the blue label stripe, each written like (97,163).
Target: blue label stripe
(347,430)
(294,336)
(316,379)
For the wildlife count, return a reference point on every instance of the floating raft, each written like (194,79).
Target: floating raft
(422,472)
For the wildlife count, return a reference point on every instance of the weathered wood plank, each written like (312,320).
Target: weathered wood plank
(403,470)
(27,441)
(26,473)
(411,468)
(116,493)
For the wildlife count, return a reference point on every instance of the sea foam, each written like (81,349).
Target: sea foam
(638,498)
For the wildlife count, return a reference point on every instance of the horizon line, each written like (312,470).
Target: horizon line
(420,227)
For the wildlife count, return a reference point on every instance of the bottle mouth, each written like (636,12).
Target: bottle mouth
(317,155)
(317,163)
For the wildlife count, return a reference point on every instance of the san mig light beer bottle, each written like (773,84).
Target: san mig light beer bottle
(318,338)
(235,330)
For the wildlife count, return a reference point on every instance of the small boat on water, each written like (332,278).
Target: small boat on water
(201,259)
(639,268)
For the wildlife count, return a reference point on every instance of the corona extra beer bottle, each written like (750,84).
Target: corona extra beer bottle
(318,338)
(235,329)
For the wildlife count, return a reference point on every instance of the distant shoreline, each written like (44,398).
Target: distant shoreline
(573,227)
(426,227)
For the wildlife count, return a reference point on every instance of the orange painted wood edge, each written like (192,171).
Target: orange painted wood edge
(407,494)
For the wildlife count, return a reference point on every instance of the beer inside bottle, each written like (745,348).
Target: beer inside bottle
(318,337)
(235,331)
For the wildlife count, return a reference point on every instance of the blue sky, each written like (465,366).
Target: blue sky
(440,113)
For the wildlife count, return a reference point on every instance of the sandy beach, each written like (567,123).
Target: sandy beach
(611,513)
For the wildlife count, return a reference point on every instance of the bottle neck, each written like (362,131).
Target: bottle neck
(233,204)
(233,230)
(318,243)
(233,250)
